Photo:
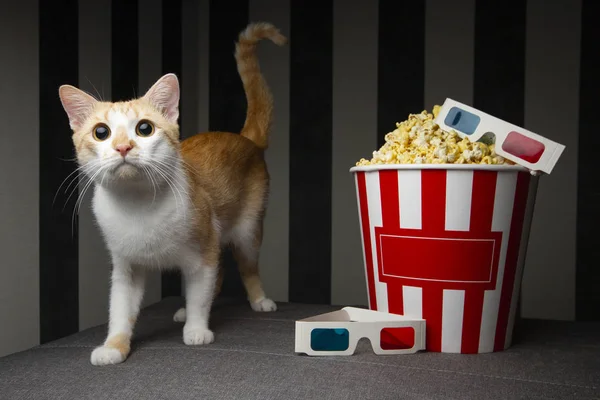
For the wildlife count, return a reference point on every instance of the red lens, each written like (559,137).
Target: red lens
(397,338)
(523,147)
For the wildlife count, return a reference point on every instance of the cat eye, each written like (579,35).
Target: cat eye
(144,128)
(101,132)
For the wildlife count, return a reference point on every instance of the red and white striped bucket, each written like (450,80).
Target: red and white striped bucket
(447,243)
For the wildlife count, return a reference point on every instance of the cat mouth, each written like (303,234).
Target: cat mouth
(123,162)
(124,166)
(125,170)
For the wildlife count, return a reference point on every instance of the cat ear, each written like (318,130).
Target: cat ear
(78,105)
(164,95)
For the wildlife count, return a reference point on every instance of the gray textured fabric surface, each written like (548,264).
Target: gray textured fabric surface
(253,358)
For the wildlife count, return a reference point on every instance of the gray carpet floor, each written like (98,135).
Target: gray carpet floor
(253,358)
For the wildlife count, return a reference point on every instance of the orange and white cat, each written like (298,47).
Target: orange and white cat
(162,203)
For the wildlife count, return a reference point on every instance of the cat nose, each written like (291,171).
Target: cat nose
(123,149)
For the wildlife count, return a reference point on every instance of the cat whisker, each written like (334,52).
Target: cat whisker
(173,189)
(80,179)
(86,186)
(179,160)
(167,176)
(184,163)
(103,176)
(99,96)
(148,173)
(67,159)
(85,169)
(172,173)
(81,196)
(77,171)
(170,169)
(74,178)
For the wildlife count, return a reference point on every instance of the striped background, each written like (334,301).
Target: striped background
(352,69)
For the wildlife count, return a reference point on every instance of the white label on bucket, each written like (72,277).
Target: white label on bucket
(452,320)
(459,189)
(376,220)
(503,206)
(413,301)
(409,188)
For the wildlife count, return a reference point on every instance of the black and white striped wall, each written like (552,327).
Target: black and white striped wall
(351,70)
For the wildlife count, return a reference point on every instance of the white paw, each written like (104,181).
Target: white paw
(106,355)
(179,315)
(196,336)
(264,305)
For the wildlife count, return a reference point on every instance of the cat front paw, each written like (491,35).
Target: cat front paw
(264,305)
(193,336)
(106,355)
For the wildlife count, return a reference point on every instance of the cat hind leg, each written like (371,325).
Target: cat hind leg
(247,242)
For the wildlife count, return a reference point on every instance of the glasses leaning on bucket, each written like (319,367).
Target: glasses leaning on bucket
(337,333)
(514,143)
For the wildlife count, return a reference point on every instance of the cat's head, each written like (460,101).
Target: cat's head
(123,141)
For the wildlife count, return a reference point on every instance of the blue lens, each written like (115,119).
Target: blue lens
(462,120)
(329,339)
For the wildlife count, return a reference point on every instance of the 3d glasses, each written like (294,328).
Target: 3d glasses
(514,143)
(337,333)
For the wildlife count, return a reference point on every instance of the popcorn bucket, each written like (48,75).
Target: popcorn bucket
(447,243)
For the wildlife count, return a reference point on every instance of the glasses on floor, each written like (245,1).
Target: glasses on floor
(514,143)
(337,333)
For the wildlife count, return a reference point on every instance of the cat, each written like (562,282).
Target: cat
(164,203)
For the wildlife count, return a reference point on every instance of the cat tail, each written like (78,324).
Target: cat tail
(259,115)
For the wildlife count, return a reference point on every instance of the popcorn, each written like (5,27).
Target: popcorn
(419,140)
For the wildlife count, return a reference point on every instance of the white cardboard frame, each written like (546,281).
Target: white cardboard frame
(360,323)
(501,129)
